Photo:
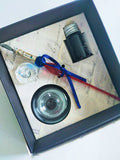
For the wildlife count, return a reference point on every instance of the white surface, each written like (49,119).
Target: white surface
(109,11)
(103,143)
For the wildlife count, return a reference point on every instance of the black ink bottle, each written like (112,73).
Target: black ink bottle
(76,43)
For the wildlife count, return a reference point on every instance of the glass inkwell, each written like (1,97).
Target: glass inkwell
(50,104)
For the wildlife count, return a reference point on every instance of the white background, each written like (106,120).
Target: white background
(104,143)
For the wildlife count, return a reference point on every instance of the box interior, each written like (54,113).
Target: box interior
(110,60)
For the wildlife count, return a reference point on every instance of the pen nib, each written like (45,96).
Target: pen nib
(7,47)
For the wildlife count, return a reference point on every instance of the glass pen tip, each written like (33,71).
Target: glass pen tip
(7,47)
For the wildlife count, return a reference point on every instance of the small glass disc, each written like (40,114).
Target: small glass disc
(26,72)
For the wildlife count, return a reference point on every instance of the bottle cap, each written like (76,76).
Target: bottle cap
(70,29)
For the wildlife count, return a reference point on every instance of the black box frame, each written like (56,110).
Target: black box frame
(107,52)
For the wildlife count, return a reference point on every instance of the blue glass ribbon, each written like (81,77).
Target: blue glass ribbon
(40,62)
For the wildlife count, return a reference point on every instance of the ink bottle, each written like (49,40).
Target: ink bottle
(76,43)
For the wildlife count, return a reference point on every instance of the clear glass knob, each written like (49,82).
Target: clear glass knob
(26,72)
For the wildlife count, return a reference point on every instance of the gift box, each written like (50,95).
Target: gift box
(45,34)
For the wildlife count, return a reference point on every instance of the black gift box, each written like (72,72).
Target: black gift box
(107,52)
